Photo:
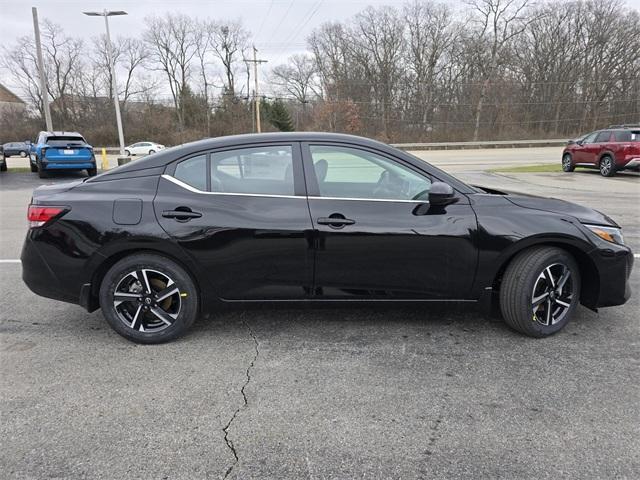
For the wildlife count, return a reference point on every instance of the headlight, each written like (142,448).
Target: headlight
(609,234)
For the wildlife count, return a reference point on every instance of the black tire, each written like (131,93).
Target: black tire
(92,171)
(156,269)
(127,153)
(3,167)
(41,172)
(567,166)
(34,167)
(23,154)
(524,277)
(151,151)
(607,166)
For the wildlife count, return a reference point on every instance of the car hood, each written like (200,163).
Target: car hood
(555,205)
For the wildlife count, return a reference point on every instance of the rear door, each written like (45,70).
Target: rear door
(242,214)
(371,243)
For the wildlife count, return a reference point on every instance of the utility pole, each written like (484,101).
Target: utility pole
(106,14)
(41,73)
(256,102)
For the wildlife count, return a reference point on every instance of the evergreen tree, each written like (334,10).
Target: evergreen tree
(278,115)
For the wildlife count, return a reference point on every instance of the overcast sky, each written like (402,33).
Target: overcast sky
(279,27)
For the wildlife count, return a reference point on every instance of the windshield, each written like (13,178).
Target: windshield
(67,140)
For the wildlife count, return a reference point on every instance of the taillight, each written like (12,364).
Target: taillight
(38,215)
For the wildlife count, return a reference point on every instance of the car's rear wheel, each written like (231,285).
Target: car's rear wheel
(567,166)
(34,167)
(607,167)
(148,298)
(3,167)
(92,171)
(41,172)
(23,154)
(540,291)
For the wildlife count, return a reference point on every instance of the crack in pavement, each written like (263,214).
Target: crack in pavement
(245,403)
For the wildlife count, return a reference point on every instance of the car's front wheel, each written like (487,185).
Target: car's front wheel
(34,167)
(151,152)
(23,154)
(127,153)
(567,166)
(148,298)
(607,167)
(540,291)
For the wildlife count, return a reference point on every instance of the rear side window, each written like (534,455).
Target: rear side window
(603,137)
(264,170)
(623,136)
(193,171)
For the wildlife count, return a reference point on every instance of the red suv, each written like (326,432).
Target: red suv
(610,150)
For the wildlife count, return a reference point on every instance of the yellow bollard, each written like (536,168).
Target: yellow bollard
(105,163)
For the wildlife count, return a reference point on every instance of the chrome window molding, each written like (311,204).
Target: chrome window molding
(188,187)
(195,190)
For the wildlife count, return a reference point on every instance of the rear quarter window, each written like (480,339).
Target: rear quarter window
(193,171)
(623,136)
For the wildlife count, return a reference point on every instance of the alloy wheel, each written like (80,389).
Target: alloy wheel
(552,294)
(566,163)
(605,166)
(147,300)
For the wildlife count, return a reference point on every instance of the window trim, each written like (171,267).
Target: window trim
(299,184)
(186,186)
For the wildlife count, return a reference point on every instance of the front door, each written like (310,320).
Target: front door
(371,242)
(242,214)
(587,152)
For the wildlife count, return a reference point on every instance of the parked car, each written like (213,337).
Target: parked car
(311,217)
(62,151)
(12,149)
(616,148)
(143,148)
(3,160)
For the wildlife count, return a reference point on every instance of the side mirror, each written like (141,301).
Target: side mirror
(442,194)
(571,142)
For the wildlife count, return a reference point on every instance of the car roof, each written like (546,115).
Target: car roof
(161,159)
(60,133)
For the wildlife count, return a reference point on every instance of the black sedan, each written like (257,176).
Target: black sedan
(311,217)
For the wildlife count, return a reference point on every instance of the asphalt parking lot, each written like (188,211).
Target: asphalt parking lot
(325,393)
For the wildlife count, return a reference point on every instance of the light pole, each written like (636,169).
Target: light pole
(106,14)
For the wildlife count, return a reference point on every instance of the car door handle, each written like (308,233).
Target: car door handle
(335,222)
(181,215)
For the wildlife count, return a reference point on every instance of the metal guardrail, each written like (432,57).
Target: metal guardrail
(555,142)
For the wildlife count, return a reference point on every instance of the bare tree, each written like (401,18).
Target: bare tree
(297,78)
(229,39)
(172,41)
(497,23)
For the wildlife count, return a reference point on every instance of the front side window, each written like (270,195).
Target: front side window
(345,172)
(193,171)
(264,170)
(590,138)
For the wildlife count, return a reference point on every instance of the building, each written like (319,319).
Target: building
(10,102)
